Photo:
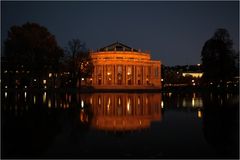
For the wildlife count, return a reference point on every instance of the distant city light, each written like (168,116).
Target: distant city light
(44,97)
(25,87)
(34,79)
(82,79)
(162,80)
(6,87)
(44,81)
(199,114)
(49,103)
(108,73)
(5,71)
(50,75)
(193,102)
(34,99)
(198,64)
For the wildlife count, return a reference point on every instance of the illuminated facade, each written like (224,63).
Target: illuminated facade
(193,74)
(118,66)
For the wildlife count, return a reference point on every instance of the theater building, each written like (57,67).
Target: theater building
(118,66)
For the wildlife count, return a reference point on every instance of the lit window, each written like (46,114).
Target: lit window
(129,71)
(120,69)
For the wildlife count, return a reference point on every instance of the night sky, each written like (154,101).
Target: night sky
(174,32)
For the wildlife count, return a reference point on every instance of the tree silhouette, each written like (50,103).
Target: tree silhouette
(79,61)
(218,62)
(33,47)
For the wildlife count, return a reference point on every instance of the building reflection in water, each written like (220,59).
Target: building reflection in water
(117,111)
(122,112)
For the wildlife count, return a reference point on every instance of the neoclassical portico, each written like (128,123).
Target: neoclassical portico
(119,66)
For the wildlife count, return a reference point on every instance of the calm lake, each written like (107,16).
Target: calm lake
(119,125)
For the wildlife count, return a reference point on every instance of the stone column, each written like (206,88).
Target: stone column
(113,75)
(124,74)
(144,74)
(134,74)
(103,76)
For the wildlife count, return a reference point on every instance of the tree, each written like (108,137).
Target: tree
(33,47)
(218,59)
(79,61)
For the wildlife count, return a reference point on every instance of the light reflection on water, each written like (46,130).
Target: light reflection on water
(131,101)
(107,107)
(131,112)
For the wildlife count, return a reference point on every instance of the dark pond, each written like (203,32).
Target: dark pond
(119,125)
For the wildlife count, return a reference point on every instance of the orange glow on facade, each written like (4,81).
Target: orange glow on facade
(118,66)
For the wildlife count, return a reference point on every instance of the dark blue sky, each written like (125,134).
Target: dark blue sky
(174,32)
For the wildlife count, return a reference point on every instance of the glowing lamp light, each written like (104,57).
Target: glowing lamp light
(128,73)
(34,79)
(82,79)
(199,114)
(162,104)
(50,75)
(162,80)
(82,103)
(108,73)
(44,81)
(6,87)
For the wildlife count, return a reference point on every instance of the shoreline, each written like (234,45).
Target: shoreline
(234,89)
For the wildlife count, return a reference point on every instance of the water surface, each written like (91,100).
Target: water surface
(119,125)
